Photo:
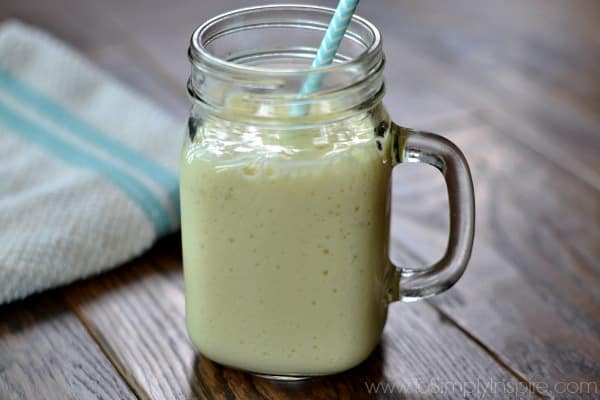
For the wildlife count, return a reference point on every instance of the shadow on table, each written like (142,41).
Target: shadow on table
(365,381)
(21,316)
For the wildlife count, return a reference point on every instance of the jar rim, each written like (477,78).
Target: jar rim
(200,53)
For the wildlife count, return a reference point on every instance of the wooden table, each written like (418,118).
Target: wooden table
(515,83)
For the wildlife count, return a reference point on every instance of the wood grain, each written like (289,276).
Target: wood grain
(530,293)
(515,83)
(538,79)
(137,315)
(565,136)
(46,353)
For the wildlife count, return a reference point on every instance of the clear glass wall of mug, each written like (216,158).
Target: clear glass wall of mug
(285,219)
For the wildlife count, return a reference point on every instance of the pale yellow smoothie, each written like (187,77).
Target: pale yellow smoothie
(284,245)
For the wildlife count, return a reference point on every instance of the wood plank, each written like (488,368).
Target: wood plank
(507,60)
(552,43)
(46,353)
(137,315)
(530,293)
(512,298)
(132,67)
(82,24)
(555,128)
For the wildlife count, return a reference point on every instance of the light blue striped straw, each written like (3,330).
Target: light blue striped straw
(329,46)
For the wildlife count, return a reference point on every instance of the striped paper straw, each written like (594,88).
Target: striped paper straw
(329,46)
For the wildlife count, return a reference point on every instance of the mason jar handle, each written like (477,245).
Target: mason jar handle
(424,147)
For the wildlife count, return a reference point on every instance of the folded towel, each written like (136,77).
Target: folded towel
(87,167)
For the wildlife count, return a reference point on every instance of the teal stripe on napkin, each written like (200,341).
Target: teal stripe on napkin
(167,180)
(138,192)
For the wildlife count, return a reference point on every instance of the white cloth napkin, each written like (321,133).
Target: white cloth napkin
(87,167)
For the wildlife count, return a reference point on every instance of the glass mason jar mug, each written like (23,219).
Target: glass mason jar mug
(284,196)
